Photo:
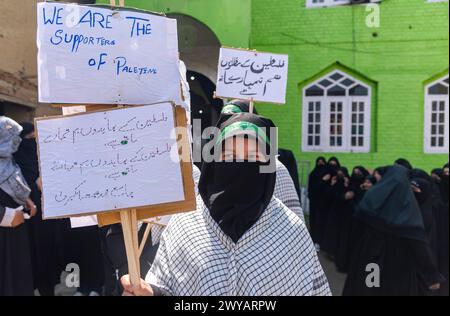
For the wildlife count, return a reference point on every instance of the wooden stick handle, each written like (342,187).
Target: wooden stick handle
(134,229)
(252,107)
(133,264)
(148,229)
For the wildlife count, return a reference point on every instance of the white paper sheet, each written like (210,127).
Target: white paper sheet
(106,161)
(253,76)
(89,55)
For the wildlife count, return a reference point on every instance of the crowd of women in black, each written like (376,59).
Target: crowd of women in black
(395,217)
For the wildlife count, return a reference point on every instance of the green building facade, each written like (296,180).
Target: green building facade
(367,83)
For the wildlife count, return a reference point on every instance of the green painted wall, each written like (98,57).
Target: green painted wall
(410,46)
(230,20)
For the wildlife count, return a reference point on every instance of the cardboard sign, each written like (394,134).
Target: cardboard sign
(95,55)
(252,76)
(109,161)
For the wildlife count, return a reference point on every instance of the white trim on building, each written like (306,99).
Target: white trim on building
(437,117)
(337,115)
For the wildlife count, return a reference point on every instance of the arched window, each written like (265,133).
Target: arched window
(337,114)
(436,117)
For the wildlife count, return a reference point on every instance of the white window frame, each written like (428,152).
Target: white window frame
(335,3)
(326,3)
(347,118)
(429,99)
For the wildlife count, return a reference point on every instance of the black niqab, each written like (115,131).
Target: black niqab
(391,206)
(237,193)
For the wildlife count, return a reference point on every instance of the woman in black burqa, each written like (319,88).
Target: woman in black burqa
(350,198)
(314,195)
(340,186)
(443,228)
(46,237)
(394,240)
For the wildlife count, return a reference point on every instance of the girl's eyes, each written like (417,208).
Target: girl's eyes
(251,157)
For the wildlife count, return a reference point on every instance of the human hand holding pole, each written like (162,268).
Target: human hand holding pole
(144,289)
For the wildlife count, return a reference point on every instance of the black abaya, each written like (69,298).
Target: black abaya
(16,277)
(402,263)
(315,197)
(442,227)
(83,247)
(331,237)
(394,237)
(46,237)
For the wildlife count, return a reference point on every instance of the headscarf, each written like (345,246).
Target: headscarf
(425,190)
(372,179)
(382,170)
(404,162)
(319,159)
(11,179)
(26,157)
(332,169)
(344,171)
(336,160)
(425,200)
(391,207)
(27,128)
(356,180)
(445,186)
(420,174)
(237,106)
(438,171)
(237,193)
(315,177)
(9,144)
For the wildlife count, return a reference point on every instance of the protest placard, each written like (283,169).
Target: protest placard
(253,76)
(110,161)
(98,55)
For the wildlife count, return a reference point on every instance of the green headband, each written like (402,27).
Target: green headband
(243,126)
(231,109)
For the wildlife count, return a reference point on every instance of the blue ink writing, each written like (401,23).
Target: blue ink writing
(55,18)
(140,28)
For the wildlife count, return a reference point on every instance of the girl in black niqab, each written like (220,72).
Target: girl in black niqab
(236,209)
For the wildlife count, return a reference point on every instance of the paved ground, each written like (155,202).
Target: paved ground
(335,278)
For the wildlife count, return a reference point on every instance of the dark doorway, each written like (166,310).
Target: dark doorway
(204,107)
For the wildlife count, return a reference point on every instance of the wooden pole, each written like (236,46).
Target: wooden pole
(132,255)
(129,222)
(148,229)
(252,106)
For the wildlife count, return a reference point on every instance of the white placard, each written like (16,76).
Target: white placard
(106,161)
(83,221)
(253,76)
(94,55)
